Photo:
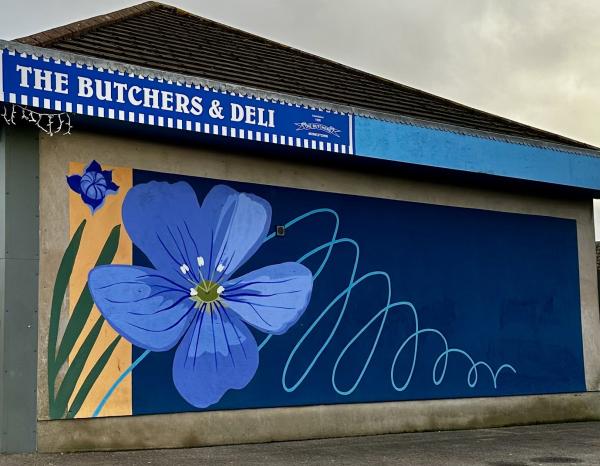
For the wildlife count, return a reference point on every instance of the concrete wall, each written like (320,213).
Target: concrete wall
(303,422)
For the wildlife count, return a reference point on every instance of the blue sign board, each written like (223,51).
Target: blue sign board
(87,90)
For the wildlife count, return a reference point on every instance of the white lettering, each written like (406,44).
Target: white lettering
(250,115)
(237,113)
(62,81)
(25,72)
(181,103)
(150,98)
(167,98)
(131,95)
(120,87)
(42,79)
(271,118)
(261,118)
(84,87)
(106,93)
(196,105)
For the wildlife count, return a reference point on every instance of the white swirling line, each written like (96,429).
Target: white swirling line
(438,374)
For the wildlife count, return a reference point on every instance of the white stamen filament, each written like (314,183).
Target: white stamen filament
(200,260)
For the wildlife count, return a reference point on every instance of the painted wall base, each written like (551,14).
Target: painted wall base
(312,422)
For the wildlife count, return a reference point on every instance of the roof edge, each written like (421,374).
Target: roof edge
(565,139)
(47,38)
(20,47)
(77,28)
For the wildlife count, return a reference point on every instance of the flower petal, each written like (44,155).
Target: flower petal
(93,203)
(235,227)
(112,186)
(271,299)
(107,174)
(93,167)
(162,219)
(147,309)
(74,182)
(218,353)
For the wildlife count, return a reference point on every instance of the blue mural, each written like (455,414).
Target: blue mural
(369,299)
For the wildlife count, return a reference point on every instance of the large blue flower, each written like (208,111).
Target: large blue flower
(190,296)
(94,184)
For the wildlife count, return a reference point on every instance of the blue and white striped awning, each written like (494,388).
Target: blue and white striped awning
(54,83)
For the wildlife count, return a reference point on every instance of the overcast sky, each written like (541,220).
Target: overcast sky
(535,61)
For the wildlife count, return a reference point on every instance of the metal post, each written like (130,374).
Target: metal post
(19,269)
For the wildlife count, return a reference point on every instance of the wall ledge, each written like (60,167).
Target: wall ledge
(311,422)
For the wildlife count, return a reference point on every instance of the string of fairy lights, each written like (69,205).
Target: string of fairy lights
(49,123)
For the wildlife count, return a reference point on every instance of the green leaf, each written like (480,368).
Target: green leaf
(79,317)
(82,309)
(75,325)
(58,408)
(89,381)
(60,286)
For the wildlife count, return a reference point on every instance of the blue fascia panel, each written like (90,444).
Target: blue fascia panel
(444,149)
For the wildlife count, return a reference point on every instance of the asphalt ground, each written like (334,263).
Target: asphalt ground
(550,444)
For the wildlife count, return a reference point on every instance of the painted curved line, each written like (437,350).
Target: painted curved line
(439,368)
(441,364)
(117,382)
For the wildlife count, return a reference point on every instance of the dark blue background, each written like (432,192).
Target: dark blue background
(502,287)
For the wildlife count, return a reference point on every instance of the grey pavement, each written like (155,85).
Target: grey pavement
(551,444)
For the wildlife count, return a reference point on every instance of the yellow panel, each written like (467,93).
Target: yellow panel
(95,234)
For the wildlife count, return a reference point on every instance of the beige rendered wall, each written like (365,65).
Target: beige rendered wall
(303,422)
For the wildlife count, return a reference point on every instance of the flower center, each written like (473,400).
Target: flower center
(94,185)
(206,292)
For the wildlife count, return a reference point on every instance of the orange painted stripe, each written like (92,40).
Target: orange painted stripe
(95,234)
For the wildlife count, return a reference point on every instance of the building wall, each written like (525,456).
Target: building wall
(61,213)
